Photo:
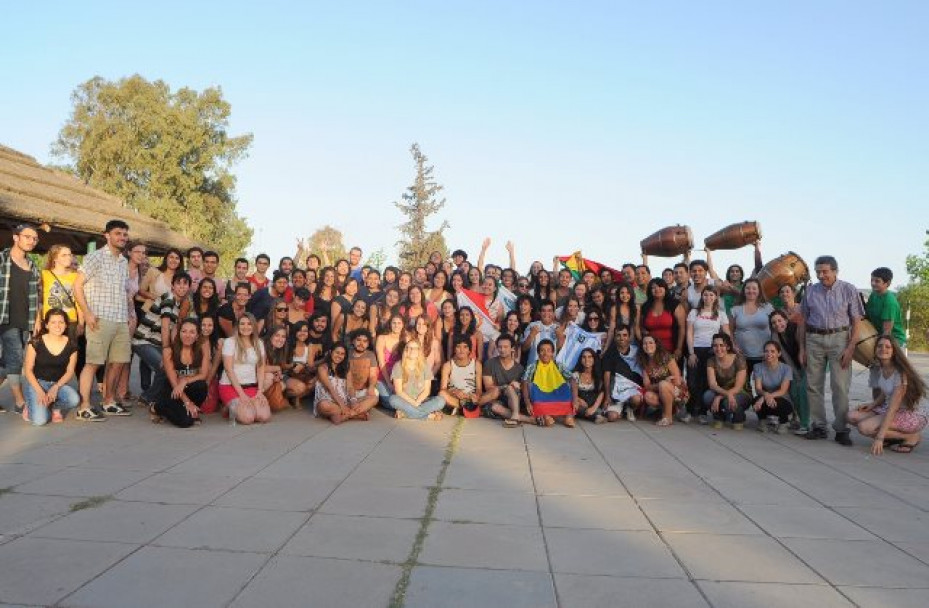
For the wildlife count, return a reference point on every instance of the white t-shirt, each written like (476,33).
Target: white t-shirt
(694,296)
(245,370)
(705,326)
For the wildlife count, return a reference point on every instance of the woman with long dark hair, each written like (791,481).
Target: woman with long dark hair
(48,367)
(589,379)
(186,365)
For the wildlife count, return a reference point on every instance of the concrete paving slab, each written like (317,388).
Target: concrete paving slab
(399,472)
(578,481)
(918,550)
(431,586)
(485,546)
(875,597)
(69,565)
(770,595)
(494,476)
(234,530)
(20,513)
(161,576)
(82,482)
(600,512)
(680,487)
(805,522)
(13,474)
(863,562)
(278,494)
(377,501)
(187,488)
(739,558)
(117,521)
(577,591)
(487,506)
(897,524)
(310,581)
(703,517)
(613,552)
(354,537)
(759,488)
(223,464)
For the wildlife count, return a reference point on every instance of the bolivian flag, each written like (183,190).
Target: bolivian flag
(549,392)
(577,264)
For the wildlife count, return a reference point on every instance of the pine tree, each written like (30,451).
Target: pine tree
(417,204)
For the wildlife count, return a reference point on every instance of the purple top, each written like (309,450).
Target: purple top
(831,308)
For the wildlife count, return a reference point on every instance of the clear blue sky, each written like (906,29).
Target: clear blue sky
(557,125)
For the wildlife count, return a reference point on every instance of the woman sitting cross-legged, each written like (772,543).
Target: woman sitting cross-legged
(662,381)
(186,366)
(548,390)
(48,366)
(895,417)
(332,399)
(240,387)
(412,380)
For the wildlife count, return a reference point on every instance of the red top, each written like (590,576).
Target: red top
(661,327)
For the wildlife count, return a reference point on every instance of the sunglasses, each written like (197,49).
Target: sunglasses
(280,309)
(593,318)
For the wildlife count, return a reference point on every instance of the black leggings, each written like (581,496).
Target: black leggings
(173,410)
(696,380)
(782,409)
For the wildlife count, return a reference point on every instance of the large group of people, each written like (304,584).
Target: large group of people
(446,338)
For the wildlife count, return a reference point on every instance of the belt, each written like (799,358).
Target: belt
(826,332)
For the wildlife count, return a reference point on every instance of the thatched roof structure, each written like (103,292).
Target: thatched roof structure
(67,210)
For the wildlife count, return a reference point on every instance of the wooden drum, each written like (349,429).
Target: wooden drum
(669,242)
(865,341)
(788,269)
(735,236)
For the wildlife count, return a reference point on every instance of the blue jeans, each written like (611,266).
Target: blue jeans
(14,341)
(150,356)
(432,404)
(68,399)
(384,393)
(736,415)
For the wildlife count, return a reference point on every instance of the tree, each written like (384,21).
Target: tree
(376,259)
(417,204)
(915,298)
(165,154)
(328,244)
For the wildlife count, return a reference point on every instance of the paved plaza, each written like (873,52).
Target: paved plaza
(455,513)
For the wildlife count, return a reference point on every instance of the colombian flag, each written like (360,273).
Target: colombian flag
(549,392)
(578,264)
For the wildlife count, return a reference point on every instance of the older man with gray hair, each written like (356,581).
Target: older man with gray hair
(831,310)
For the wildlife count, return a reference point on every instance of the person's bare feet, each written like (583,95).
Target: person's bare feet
(434,416)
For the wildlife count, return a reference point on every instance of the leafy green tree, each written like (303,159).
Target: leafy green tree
(328,243)
(417,204)
(915,298)
(165,153)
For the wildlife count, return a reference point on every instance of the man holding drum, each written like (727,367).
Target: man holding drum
(831,312)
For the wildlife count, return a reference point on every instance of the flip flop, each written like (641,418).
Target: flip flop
(510,423)
(903,448)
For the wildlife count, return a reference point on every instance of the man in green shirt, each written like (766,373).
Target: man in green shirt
(882,308)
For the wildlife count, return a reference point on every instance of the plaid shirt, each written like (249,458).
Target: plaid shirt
(105,278)
(33,295)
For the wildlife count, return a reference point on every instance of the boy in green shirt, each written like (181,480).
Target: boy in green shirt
(882,308)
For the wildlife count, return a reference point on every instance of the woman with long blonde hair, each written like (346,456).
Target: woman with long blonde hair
(241,387)
(412,382)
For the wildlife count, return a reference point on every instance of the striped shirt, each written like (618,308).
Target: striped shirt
(33,296)
(105,278)
(831,307)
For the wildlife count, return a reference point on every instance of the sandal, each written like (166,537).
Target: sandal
(434,416)
(153,416)
(569,422)
(664,422)
(399,415)
(510,423)
(903,448)
(540,420)
(549,421)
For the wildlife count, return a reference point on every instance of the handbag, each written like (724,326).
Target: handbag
(275,396)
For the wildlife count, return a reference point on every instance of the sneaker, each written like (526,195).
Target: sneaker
(737,426)
(801,431)
(684,417)
(599,419)
(89,415)
(762,426)
(703,419)
(843,438)
(19,408)
(115,409)
(795,425)
(816,432)
(716,424)
(782,429)
(630,415)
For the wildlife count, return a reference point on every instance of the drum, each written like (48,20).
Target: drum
(865,341)
(735,236)
(788,269)
(669,242)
